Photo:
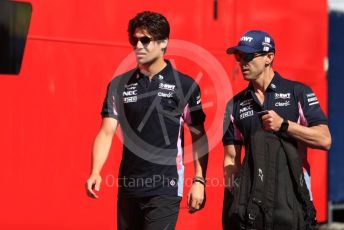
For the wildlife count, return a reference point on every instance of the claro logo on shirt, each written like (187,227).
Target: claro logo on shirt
(162,94)
(282,104)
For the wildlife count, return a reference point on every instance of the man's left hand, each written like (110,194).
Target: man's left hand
(196,197)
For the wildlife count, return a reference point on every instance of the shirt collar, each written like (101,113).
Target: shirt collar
(274,84)
(164,73)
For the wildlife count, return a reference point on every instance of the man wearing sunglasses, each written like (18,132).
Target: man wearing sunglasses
(288,108)
(151,103)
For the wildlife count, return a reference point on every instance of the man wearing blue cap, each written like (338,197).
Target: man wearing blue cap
(287,108)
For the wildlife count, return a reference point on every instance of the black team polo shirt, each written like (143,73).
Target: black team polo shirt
(151,115)
(291,100)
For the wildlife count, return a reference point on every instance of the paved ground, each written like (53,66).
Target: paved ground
(333,226)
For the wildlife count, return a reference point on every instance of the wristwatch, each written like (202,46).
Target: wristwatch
(199,180)
(284,126)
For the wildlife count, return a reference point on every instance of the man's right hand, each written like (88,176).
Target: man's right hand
(93,185)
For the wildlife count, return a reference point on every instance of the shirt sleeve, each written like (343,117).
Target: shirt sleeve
(231,133)
(193,112)
(109,105)
(310,112)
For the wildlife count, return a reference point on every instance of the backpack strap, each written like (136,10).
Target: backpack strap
(265,147)
(303,193)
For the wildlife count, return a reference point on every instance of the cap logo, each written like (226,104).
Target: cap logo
(266,44)
(246,39)
(253,41)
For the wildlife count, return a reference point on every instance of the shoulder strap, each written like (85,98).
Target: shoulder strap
(265,147)
(295,166)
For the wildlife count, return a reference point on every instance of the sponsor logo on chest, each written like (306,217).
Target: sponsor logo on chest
(167,95)
(282,104)
(246,102)
(130,99)
(131,86)
(282,95)
(130,93)
(246,111)
(167,86)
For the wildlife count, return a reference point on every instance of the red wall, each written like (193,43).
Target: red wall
(50,112)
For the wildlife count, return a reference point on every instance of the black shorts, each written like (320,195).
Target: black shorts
(148,213)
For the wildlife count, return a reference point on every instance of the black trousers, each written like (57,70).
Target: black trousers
(228,222)
(148,213)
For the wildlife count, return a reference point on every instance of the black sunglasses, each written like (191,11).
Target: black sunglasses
(145,40)
(247,57)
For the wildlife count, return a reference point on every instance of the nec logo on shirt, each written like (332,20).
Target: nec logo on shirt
(246,112)
(130,93)
(247,108)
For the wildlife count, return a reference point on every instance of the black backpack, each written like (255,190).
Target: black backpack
(271,192)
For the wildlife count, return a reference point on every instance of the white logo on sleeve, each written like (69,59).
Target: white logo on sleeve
(312,99)
(198,98)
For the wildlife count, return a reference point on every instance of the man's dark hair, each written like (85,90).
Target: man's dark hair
(154,23)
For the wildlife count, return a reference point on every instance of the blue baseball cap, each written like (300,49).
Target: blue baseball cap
(254,41)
